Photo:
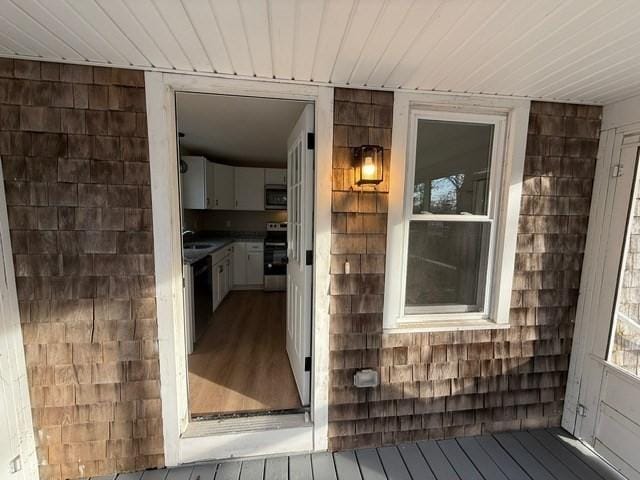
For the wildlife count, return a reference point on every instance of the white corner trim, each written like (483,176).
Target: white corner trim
(15,388)
(160,95)
(517,120)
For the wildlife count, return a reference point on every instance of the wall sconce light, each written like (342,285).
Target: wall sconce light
(368,164)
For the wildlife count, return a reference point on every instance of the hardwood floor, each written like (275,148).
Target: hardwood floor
(240,364)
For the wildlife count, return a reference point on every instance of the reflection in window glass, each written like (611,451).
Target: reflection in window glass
(446,266)
(625,348)
(452,167)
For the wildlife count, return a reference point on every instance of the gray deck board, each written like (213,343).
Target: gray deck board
(228,471)
(565,456)
(459,460)
(551,463)
(277,468)
(549,454)
(524,458)
(586,455)
(393,464)
(415,462)
(481,459)
(205,471)
(347,466)
(252,470)
(130,476)
(437,461)
(370,464)
(155,474)
(507,464)
(323,466)
(180,473)
(300,467)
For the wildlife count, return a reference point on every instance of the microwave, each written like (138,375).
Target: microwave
(275,197)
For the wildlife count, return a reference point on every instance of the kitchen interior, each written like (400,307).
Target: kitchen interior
(233,183)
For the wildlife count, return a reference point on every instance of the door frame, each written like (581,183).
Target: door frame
(181,443)
(589,368)
(15,380)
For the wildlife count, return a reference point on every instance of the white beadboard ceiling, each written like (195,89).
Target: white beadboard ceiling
(573,50)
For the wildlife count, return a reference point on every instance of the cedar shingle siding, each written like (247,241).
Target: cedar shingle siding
(448,384)
(73,141)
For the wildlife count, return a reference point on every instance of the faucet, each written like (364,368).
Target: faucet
(185,232)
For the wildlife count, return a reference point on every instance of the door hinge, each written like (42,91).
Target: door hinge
(617,170)
(307,364)
(15,464)
(311,140)
(581,410)
(309,258)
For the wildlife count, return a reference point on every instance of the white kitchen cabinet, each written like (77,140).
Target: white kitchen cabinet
(275,176)
(221,268)
(255,267)
(249,188)
(197,183)
(224,187)
(239,263)
(248,264)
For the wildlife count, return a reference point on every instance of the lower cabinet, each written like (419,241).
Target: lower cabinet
(221,274)
(248,264)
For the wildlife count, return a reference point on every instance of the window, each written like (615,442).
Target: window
(453,217)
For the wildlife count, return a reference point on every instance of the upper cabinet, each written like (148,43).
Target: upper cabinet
(197,183)
(249,189)
(223,190)
(212,186)
(275,176)
(207,185)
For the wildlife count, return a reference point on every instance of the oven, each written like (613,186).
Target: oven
(275,257)
(275,197)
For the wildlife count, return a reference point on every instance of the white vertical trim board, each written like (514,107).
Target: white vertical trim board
(17,444)
(511,118)
(160,93)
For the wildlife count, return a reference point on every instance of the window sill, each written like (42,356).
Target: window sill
(446,326)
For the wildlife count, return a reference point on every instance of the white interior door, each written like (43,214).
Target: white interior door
(299,242)
(607,414)
(17,445)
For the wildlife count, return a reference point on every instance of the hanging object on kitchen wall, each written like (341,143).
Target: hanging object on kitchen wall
(368,166)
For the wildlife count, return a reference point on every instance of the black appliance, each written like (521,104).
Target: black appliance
(275,197)
(275,257)
(202,295)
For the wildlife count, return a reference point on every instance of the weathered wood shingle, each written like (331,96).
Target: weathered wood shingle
(458,383)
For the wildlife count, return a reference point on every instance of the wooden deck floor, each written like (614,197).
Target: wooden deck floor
(533,455)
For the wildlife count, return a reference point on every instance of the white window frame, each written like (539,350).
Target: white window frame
(510,118)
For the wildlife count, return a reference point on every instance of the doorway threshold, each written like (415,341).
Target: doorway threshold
(248,423)
(246,437)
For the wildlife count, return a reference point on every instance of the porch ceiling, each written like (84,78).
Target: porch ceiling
(572,50)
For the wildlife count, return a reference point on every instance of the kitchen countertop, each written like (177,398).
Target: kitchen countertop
(215,241)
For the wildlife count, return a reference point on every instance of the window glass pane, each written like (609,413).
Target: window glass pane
(446,267)
(625,348)
(452,167)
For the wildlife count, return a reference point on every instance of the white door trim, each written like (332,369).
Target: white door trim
(160,94)
(589,366)
(14,379)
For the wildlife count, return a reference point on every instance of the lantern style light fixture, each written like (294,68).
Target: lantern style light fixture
(368,164)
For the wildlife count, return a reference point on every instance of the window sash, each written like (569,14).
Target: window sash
(413,314)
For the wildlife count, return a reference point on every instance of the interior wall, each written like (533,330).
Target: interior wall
(73,141)
(446,384)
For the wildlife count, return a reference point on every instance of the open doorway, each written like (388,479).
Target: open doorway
(246,183)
